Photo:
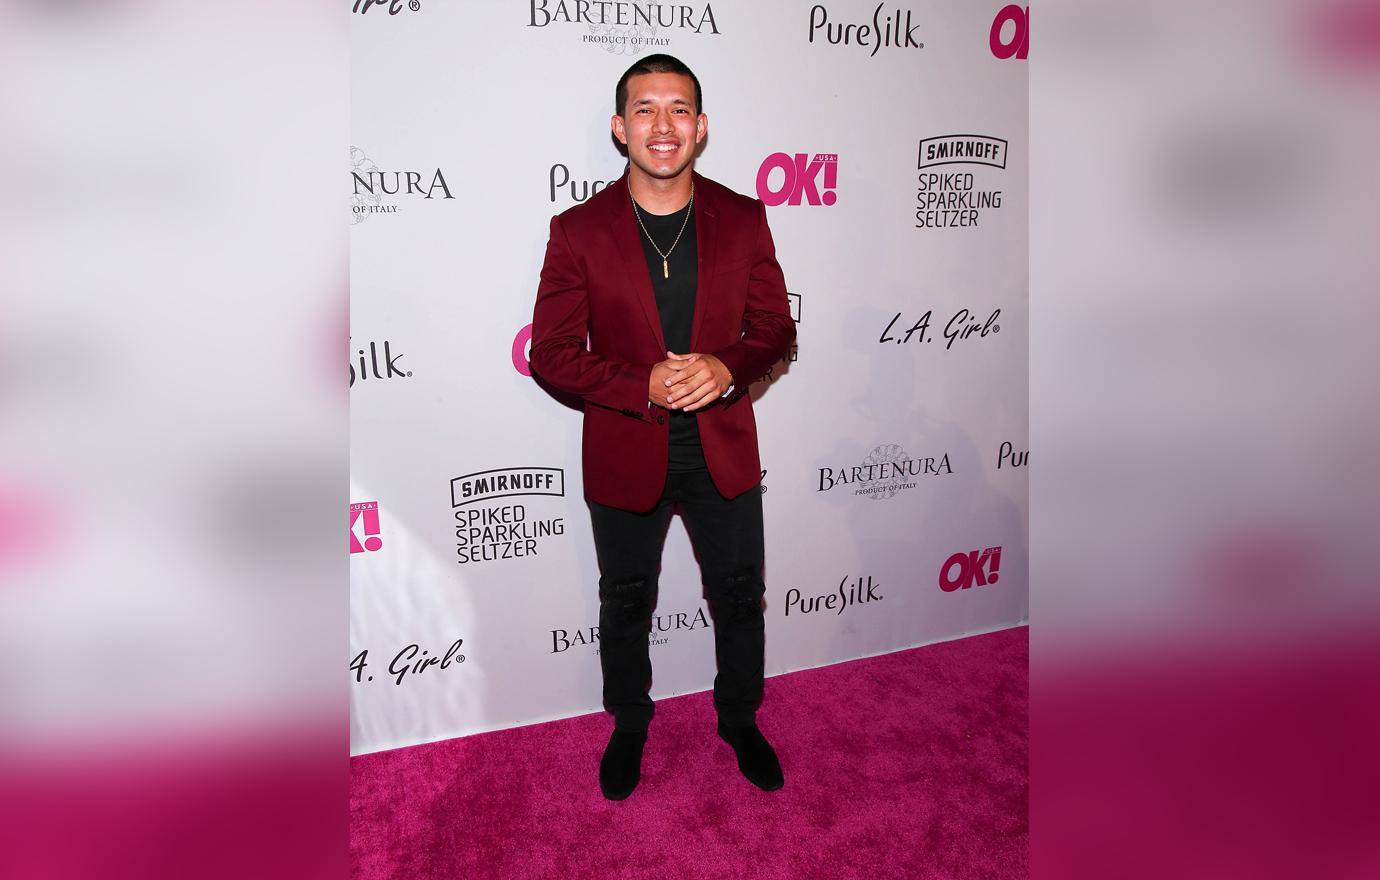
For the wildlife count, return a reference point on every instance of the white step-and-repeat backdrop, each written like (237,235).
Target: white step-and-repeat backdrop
(889,142)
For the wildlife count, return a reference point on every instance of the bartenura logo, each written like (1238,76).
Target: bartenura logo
(800,179)
(663,625)
(394,7)
(390,360)
(367,514)
(371,185)
(884,473)
(963,570)
(624,27)
(948,199)
(484,532)
(579,190)
(890,30)
(793,300)
(847,596)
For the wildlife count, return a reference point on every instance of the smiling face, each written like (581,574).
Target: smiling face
(659,125)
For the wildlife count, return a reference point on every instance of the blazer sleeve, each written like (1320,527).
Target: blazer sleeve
(768,329)
(560,328)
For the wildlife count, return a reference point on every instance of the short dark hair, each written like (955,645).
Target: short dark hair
(654,64)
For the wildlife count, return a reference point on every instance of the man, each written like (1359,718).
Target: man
(673,280)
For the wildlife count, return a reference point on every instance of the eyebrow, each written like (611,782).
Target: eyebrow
(653,100)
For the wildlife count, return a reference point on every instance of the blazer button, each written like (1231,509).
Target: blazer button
(661,420)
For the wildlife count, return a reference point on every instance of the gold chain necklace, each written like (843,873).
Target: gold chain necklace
(666,257)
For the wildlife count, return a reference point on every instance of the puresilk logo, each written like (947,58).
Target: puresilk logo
(889,31)
(1011,456)
(560,184)
(390,361)
(800,179)
(847,596)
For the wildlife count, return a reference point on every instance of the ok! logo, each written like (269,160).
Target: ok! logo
(368,511)
(800,179)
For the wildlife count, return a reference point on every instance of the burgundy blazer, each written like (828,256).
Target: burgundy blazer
(595,286)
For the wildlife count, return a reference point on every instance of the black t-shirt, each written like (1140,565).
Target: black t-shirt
(675,303)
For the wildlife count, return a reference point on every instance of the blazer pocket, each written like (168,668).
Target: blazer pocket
(733,267)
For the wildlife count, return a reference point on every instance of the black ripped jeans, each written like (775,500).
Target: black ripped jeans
(727,537)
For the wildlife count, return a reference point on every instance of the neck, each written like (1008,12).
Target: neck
(657,195)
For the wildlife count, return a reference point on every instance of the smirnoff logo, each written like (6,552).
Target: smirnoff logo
(508,530)
(506,482)
(963,149)
(947,199)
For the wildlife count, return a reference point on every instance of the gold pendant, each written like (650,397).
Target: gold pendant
(665,269)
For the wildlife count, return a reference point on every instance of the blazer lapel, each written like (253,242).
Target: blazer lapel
(627,236)
(706,237)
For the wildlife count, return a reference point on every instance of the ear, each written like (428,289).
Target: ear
(619,131)
(701,128)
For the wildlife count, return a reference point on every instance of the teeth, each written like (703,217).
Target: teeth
(663,148)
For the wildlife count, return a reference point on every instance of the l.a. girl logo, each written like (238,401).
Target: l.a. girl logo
(394,7)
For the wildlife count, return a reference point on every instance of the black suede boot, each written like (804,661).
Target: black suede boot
(621,767)
(756,758)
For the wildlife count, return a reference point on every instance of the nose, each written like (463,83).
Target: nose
(662,123)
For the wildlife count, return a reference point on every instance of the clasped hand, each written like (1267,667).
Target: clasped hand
(688,381)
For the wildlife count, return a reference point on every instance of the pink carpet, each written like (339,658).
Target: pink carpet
(908,766)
